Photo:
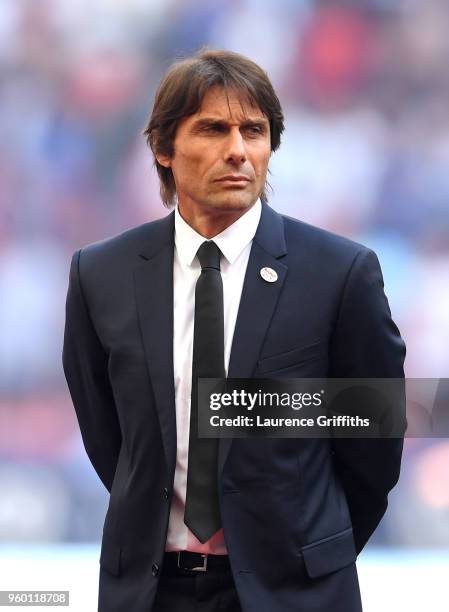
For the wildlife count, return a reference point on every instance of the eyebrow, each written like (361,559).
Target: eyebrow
(206,121)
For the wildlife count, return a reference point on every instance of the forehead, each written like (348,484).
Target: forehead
(228,104)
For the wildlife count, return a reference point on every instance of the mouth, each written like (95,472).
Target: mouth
(234,180)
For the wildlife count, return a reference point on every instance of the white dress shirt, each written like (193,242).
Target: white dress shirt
(235,245)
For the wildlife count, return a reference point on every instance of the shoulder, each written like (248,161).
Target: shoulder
(134,239)
(310,241)
(120,250)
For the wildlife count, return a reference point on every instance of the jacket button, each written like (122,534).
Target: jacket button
(166,493)
(155,569)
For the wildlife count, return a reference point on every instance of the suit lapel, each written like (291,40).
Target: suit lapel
(153,280)
(257,304)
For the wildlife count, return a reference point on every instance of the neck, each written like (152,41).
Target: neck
(212,222)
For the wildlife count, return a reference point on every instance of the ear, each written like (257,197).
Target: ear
(164,160)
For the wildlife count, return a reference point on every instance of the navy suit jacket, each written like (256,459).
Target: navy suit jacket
(295,512)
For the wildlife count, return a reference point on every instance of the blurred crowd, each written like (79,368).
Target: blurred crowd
(365,90)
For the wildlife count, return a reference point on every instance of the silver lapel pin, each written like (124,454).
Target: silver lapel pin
(269,275)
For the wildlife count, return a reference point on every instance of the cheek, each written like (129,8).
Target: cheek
(182,168)
(261,164)
(193,163)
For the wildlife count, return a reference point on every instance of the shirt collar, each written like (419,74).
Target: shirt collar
(230,241)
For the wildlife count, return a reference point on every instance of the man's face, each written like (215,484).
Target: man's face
(221,155)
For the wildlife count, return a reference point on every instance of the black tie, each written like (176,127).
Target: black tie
(202,514)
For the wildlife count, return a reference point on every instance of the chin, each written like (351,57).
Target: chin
(235,203)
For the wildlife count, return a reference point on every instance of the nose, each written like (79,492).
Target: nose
(235,151)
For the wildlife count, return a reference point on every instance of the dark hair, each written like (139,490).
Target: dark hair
(181,93)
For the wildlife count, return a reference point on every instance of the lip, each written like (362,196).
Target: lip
(233,178)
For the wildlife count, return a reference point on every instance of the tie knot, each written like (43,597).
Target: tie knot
(209,255)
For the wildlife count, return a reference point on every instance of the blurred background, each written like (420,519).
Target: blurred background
(365,90)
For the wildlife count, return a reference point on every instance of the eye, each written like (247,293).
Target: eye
(254,129)
(215,127)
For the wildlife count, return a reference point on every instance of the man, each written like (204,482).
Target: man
(225,286)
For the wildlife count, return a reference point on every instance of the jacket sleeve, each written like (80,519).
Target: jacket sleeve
(85,365)
(367,344)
